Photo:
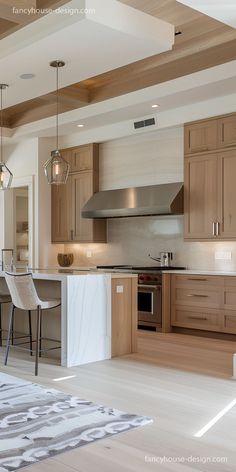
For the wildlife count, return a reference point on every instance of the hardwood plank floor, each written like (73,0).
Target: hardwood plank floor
(179,402)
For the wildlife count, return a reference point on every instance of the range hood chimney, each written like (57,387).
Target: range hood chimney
(164,199)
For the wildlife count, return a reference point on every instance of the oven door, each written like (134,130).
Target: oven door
(149,304)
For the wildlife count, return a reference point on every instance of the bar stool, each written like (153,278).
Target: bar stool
(3,299)
(24,297)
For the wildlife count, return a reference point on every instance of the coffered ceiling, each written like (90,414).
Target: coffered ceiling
(201,42)
(15,14)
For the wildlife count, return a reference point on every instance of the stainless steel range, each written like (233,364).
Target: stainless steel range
(149,293)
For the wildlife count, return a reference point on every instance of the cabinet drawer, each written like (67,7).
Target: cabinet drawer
(200,281)
(200,137)
(227,131)
(195,319)
(197,297)
(229,322)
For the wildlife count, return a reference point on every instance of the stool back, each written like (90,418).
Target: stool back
(22,291)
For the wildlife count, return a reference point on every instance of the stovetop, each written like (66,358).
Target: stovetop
(139,268)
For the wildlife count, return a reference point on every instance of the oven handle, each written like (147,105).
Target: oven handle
(153,287)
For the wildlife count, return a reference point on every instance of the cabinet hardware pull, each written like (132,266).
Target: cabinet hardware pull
(197,295)
(217,228)
(214,228)
(71,234)
(197,318)
(196,280)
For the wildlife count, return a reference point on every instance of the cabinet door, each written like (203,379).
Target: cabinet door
(84,158)
(227,192)
(61,214)
(200,197)
(82,190)
(227,131)
(200,137)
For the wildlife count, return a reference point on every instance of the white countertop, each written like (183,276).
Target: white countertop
(201,272)
(62,274)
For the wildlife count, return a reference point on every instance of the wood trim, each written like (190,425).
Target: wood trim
(166,303)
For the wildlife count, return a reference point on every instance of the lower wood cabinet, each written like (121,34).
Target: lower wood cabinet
(124,316)
(204,303)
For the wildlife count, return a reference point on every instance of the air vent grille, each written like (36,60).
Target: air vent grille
(144,123)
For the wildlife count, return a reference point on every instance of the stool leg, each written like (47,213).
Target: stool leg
(9,333)
(40,336)
(0,324)
(12,330)
(30,333)
(37,339)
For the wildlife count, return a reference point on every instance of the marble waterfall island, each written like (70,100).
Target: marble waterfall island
(84,320)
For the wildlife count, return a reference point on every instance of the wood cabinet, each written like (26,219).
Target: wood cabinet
(61,212)
(204,303)
(82,158)
(200,196)
(69,199)
(200,137)
(227,131)
(124,315)
(210,190)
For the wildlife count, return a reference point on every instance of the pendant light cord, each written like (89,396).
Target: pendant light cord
(57,109)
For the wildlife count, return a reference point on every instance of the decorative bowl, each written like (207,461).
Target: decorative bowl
(65,260)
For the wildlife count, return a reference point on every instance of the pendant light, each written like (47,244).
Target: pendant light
(5,173)
(56,168)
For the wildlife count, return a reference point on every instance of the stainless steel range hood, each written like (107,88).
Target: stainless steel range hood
(164,199)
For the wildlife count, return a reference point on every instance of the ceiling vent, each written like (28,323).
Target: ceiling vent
(144,123)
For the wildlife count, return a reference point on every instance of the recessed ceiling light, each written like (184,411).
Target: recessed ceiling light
(155,105)
(27,76)
(80,126)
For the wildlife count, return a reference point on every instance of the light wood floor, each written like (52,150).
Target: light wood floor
(179,402)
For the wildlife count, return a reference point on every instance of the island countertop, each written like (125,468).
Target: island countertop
(62,274)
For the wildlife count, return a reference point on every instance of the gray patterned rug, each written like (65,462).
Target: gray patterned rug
(37,422)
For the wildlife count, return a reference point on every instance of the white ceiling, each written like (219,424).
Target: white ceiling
(221,10)
(108,35)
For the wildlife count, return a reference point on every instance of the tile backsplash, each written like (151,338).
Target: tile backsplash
(130,240)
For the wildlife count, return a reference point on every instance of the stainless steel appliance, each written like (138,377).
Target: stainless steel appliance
(149,293)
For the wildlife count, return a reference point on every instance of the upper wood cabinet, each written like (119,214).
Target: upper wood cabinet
(69,199)
(209,179)
(200,137)
(227,194)
(61,212)
(227,131)
(210,196)
(82,158)
(200,196)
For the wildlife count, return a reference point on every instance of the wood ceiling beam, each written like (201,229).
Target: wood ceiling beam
(70,98)
(121,82)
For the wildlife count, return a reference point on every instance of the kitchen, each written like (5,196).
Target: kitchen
(147,290)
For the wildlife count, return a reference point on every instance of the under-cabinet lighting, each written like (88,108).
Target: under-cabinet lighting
(214,420)
(64,378)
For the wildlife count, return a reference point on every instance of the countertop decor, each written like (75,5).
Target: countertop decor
(65,260)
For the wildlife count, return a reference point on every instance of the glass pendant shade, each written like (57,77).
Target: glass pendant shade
(5,177)
(56,169)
